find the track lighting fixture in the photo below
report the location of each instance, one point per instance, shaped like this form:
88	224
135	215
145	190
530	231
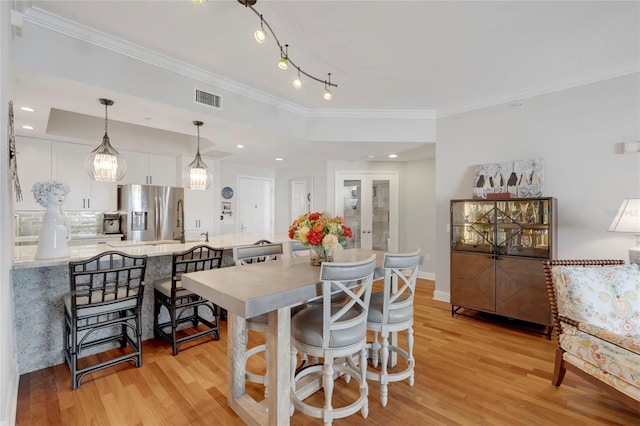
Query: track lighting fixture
327	93
284	62
260	35
297	83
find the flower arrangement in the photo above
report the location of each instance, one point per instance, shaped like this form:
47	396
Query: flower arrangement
321	231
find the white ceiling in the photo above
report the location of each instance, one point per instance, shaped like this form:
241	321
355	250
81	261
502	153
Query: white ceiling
444	56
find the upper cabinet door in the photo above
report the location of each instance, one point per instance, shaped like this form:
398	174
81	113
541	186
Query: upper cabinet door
149	169
34	165
162	170
137	168
85	194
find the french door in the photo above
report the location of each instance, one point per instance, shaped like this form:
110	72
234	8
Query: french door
369	204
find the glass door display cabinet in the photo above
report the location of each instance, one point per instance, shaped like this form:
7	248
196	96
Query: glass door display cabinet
497	249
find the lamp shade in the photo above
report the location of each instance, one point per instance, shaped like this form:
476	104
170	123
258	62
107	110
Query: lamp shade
628	220
105	164
628	217
197	175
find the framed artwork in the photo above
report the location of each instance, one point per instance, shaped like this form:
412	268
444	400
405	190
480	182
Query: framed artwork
510	179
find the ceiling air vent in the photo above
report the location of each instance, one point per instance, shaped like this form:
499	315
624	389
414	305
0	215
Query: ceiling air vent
208	99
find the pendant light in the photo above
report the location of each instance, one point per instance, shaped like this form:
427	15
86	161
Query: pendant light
105	164
197	175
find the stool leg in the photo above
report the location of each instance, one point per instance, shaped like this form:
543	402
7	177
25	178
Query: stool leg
384	376
375	347
411	360
364	389
327	384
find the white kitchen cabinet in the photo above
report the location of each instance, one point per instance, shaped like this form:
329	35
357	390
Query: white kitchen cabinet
34	165
86	194
199	207
149	169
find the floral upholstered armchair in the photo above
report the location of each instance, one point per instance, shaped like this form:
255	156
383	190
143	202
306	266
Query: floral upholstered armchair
596	308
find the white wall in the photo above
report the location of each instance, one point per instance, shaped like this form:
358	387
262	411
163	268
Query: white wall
578	134
418	214
8	364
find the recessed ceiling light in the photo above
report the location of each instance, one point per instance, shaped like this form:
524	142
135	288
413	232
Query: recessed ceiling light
393	155
279	159
26	108
240	146
26	127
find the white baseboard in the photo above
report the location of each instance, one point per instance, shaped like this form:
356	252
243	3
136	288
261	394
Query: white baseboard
442	296
427	275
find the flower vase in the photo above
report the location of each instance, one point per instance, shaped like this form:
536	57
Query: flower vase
319	254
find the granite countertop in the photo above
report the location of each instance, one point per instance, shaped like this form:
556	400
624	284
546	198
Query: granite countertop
24	256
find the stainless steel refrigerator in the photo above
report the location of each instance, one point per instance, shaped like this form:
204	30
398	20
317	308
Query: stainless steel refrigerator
151	213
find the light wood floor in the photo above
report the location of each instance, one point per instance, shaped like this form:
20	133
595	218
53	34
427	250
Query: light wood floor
467	372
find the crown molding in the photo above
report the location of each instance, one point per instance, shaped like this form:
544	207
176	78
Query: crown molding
372	113
518	95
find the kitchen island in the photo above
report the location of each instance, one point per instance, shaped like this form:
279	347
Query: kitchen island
39	287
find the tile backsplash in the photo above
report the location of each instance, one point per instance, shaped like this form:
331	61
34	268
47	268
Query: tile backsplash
28	223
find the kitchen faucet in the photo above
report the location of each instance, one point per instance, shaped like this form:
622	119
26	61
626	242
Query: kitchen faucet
206	236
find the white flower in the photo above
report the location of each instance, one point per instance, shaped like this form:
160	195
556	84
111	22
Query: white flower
329	241
302	234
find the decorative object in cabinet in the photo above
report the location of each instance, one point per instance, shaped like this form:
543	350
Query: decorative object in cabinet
496	251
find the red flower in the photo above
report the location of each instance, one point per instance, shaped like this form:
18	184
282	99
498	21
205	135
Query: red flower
314	216
291	234
346	231
315	236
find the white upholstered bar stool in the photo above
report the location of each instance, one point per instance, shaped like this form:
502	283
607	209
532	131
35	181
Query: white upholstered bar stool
245	255
391	311
331	331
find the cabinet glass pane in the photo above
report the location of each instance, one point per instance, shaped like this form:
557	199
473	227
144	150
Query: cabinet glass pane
507	227
473	226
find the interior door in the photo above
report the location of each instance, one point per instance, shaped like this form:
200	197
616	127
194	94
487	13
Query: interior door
369	204
255	205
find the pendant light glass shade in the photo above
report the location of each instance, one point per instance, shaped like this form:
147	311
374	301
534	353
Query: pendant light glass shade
197	175
105	164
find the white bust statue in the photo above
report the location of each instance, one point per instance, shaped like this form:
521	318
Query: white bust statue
53	237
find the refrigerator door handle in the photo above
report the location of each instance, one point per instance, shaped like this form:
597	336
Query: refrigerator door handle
157	230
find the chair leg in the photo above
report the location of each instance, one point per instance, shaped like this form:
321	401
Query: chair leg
174	329
294	356
559	369
156	316
384	375
327	384
410	360
375	348
138	321
364	387
266	375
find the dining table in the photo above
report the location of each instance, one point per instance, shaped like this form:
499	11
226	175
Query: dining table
273	288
